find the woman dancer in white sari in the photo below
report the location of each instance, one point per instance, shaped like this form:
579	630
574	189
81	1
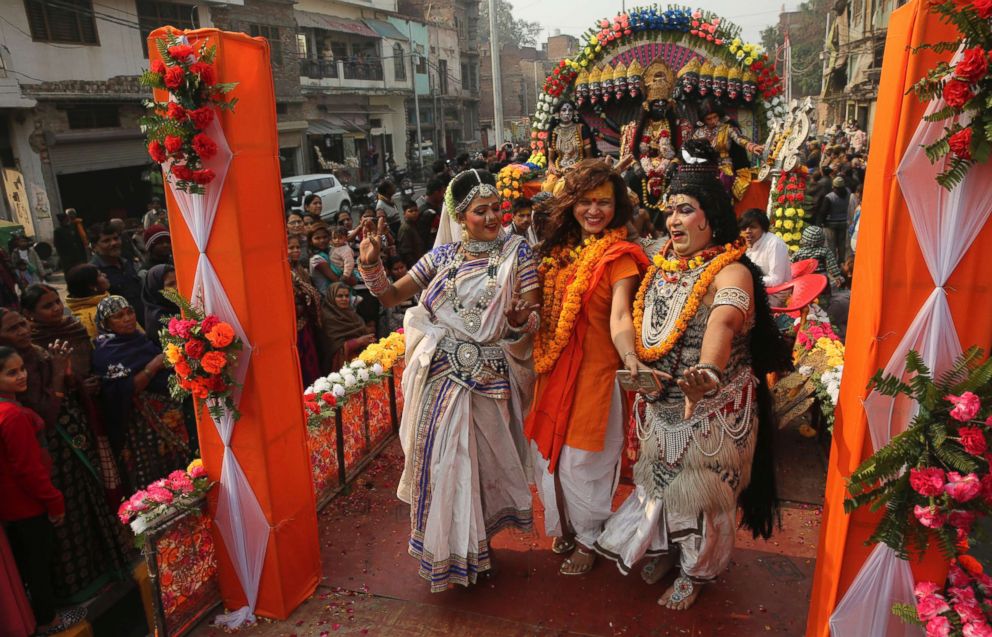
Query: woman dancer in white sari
466	383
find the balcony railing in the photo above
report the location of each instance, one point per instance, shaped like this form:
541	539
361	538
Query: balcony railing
318	69
369	70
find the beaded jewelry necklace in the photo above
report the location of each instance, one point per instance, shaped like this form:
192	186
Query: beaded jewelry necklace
472	317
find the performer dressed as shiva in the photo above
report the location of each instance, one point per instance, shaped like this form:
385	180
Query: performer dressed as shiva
467	382
703	325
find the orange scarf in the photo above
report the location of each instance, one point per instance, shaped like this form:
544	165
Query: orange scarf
547	423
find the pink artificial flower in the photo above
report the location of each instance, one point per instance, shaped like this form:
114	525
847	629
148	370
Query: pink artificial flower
160	495
929	516
970	612
957	577
966	406
931	606
973	440
925	589
962	594
939	627
198	471
124	512
181	482
977	629
963	520
928	481
137	501
180	327
962	488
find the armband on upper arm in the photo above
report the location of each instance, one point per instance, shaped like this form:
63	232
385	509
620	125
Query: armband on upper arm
734	297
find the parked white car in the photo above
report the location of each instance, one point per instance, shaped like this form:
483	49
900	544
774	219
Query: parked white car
331	192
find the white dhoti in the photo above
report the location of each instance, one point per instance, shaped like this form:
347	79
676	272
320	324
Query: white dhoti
588	481
642	527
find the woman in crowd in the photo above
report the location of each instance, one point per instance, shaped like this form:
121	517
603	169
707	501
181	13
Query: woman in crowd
43	308
87	286
322	273
89	547
466	383
297	229
158	309
704	326
31	509
308	315
343	331
589	273
146	427
313	205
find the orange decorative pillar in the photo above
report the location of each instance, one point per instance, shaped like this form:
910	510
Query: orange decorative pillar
921	273
230	252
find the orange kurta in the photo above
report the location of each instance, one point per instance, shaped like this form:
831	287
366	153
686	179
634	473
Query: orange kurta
571	404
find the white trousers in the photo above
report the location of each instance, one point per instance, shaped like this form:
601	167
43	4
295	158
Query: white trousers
588	480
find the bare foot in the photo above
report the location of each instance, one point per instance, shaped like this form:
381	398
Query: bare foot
579	562
681	594
658	568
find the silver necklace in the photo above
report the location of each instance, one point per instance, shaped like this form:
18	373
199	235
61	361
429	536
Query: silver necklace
472	317
479	247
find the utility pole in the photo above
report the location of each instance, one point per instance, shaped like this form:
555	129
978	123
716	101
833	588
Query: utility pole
416	98
787	53
497	78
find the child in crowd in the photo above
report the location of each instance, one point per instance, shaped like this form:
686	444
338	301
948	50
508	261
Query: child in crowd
31	506
392	317
341	257
409	242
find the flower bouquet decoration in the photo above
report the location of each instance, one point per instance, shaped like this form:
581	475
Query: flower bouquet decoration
510	183
960	608
176	129
819	356
165	498
966	88
789	216
203	351
329	392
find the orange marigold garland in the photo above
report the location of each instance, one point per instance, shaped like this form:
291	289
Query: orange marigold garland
566	276
730	253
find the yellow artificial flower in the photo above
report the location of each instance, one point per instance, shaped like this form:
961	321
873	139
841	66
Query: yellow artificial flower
778	223
790	212
173	354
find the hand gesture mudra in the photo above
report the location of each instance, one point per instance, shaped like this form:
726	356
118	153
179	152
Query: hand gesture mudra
370	249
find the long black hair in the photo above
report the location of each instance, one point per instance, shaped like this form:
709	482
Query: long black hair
769	351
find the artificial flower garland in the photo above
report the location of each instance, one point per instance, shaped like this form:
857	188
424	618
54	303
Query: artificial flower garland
566	276
728	254
176	129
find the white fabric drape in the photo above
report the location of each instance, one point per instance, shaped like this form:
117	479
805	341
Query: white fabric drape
239	517
946	223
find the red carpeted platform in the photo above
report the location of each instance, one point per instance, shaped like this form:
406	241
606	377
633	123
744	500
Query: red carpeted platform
766	590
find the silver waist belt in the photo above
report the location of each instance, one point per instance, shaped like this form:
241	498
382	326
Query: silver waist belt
468	357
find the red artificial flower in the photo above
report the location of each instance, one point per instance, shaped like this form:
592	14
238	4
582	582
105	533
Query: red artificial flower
207	73
202	117
973	440
957	93
173	144
195	349
182	172
175	111
156	152
157	66
204	146
973	66
983	8
329	398
204	176
960	143
208	324
180	52
216	383
174	77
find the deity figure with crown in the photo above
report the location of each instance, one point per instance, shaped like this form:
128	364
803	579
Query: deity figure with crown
649	141
571	142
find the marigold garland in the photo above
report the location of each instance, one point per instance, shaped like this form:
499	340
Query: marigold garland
566	277
731	252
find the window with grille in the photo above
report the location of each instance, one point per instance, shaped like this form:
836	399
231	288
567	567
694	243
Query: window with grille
153	14
70	21
275	42
399	63
93	116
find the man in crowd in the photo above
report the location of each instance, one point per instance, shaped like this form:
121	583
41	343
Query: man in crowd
832	215
521	221
105	241
156	215
71	249
158	246
410	245
430	209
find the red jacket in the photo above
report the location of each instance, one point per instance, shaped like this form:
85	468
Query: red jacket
26	488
